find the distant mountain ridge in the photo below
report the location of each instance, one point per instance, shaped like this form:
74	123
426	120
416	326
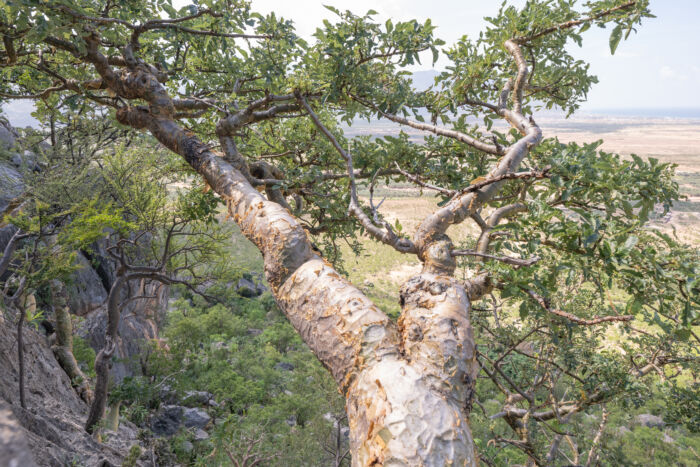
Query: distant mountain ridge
423	79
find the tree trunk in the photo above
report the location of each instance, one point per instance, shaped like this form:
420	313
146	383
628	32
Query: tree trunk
63	349
408	387
103	360
411	407
20	356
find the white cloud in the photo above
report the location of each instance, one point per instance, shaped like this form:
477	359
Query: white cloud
667	72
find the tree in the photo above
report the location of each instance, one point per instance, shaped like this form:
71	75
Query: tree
253	108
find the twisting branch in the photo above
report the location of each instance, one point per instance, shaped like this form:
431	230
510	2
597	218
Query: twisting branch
387	235
521	76
542	302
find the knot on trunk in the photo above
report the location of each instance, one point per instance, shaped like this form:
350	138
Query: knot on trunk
437	256
436	334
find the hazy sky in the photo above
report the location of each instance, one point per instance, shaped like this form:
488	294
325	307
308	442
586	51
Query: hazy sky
657	67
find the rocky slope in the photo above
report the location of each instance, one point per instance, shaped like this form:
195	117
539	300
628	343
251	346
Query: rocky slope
49	432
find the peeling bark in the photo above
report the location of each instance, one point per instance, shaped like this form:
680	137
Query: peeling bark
408	387
410	407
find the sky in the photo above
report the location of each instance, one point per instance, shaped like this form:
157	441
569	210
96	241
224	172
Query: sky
657	68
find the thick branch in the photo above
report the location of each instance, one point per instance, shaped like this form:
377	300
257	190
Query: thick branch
521	76
494	219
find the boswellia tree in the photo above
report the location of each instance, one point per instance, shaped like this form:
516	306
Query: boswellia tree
256	111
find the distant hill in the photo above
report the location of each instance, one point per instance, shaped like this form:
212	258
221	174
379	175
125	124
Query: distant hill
422	80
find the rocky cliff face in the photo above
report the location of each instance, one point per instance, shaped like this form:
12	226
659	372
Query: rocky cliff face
51	428
50	431
139	323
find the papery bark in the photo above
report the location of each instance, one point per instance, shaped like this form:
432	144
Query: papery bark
406	399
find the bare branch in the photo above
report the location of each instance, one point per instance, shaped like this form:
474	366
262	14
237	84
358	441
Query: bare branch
592	456
415	179
459	136
10	249
573	318
503	259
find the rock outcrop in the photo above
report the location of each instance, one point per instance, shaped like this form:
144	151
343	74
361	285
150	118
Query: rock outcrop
51	428
139	322
49	432
14	448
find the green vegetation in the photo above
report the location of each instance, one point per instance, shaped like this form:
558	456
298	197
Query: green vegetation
536	300
234	350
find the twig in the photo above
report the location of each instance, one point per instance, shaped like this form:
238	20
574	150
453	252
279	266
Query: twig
592	457
415	179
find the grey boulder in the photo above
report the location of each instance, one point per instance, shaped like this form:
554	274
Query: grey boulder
649	420
196	418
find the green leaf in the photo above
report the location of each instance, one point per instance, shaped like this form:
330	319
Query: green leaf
615	38
333	9
629	244
523	310
682	334
634	305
